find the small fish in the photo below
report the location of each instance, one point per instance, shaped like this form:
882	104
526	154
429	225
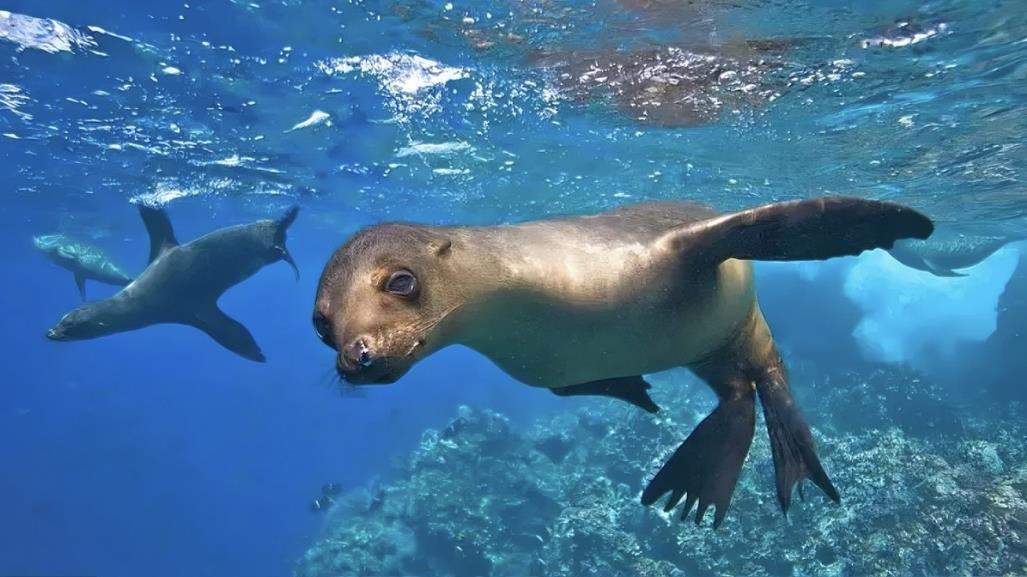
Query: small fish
331	489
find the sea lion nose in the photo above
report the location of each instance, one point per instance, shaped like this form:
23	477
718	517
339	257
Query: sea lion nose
358	355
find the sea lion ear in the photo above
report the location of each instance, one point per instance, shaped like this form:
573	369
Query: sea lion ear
441	246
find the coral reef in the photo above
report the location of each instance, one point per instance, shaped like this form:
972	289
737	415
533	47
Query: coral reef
925	490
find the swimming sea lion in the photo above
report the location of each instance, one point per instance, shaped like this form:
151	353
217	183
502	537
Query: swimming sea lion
84	261
183	283
949	250
591	303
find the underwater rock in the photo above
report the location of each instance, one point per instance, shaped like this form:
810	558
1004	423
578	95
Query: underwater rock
483	498
883	395
999	361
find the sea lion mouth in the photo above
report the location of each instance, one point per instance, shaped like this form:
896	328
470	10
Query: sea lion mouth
375	370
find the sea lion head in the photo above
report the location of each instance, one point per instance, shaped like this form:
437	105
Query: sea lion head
380	299
48	243
79	324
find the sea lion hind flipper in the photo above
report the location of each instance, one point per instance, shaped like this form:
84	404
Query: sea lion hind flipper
228	332
634	390
791	443
158	226
814	229
705	468
80	282
281	226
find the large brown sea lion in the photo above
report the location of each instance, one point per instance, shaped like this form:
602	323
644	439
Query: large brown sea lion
587	305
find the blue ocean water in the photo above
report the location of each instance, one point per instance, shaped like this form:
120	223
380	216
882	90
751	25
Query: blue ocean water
157	452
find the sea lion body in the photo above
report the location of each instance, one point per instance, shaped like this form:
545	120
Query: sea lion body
577	276
84	261
950	250
587	305
216	262
182	283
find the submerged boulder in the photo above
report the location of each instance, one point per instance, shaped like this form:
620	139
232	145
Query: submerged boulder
999	362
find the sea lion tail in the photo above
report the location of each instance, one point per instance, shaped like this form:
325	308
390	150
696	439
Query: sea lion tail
281	226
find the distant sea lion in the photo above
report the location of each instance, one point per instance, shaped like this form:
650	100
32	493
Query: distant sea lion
84	261
183	283
949	250
588	305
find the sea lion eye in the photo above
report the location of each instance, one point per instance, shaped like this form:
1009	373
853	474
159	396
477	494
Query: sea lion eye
402	283
323	330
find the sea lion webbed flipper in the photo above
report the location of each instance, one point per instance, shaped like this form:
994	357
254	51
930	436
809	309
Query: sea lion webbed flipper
158	226
631	389
814	229
228	332
705	468
791	443
80	282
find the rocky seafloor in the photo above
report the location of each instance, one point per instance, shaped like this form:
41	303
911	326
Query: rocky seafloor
927	489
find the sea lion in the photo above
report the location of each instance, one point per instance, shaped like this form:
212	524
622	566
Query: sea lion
949	250
592	303
183	283
84	261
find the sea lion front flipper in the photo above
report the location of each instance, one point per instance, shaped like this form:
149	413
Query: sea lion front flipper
814	229
791	443
631	389
228	332
80	282
943	271
705	468
158	226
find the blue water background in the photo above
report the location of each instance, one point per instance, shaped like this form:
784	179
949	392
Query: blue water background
156	452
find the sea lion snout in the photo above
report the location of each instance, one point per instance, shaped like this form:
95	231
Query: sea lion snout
355	356
358	364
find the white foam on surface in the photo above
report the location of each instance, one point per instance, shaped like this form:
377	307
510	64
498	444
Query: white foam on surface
44	34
